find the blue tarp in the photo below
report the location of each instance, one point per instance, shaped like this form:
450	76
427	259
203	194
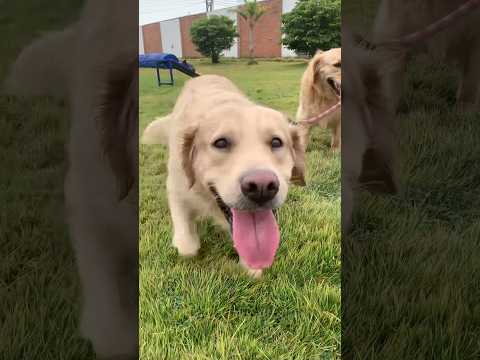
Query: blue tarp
155	60
166	61
162	61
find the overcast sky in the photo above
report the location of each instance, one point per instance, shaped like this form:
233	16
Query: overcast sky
158	10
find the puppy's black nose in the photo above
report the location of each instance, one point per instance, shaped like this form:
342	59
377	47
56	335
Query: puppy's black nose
259	186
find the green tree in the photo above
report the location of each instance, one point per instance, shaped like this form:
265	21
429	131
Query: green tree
212	35
251	13
312	25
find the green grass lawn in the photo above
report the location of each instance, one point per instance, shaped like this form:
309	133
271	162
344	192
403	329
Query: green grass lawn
207	308
410	268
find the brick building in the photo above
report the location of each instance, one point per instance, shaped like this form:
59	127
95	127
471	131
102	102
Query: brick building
173	36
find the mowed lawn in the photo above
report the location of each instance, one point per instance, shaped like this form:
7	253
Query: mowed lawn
410	268
206	307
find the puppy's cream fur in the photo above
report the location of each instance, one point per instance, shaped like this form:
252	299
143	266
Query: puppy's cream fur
92	64
317	95
210	107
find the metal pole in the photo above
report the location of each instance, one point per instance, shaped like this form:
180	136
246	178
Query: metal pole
209	6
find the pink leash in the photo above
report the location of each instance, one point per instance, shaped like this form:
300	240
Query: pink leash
435	27
317	118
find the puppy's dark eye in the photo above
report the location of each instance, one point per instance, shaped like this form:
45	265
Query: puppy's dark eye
221	143
338	64
276	143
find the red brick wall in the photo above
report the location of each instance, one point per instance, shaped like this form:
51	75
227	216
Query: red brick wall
188	48
267	32
152	39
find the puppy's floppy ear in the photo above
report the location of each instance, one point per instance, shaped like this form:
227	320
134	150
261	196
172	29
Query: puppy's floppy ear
298	171
188	154
117	116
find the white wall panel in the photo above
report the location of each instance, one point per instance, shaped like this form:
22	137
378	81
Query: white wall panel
141	47
231	14
287	6
171	37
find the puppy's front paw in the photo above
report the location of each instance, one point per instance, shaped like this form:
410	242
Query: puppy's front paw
187	248
254	273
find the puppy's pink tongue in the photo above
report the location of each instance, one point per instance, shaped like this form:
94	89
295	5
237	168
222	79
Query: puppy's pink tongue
256	237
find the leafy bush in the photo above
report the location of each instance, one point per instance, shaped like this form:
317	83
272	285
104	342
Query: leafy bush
212	35
312	25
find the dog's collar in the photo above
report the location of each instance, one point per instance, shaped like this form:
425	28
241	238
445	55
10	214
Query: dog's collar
221	205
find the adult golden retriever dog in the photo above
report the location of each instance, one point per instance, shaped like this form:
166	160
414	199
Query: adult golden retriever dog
373	74
458	42
230	159
369	136
320	90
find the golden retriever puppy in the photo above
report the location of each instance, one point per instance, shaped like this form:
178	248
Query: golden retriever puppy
94	65
320	90
229	159
459	42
